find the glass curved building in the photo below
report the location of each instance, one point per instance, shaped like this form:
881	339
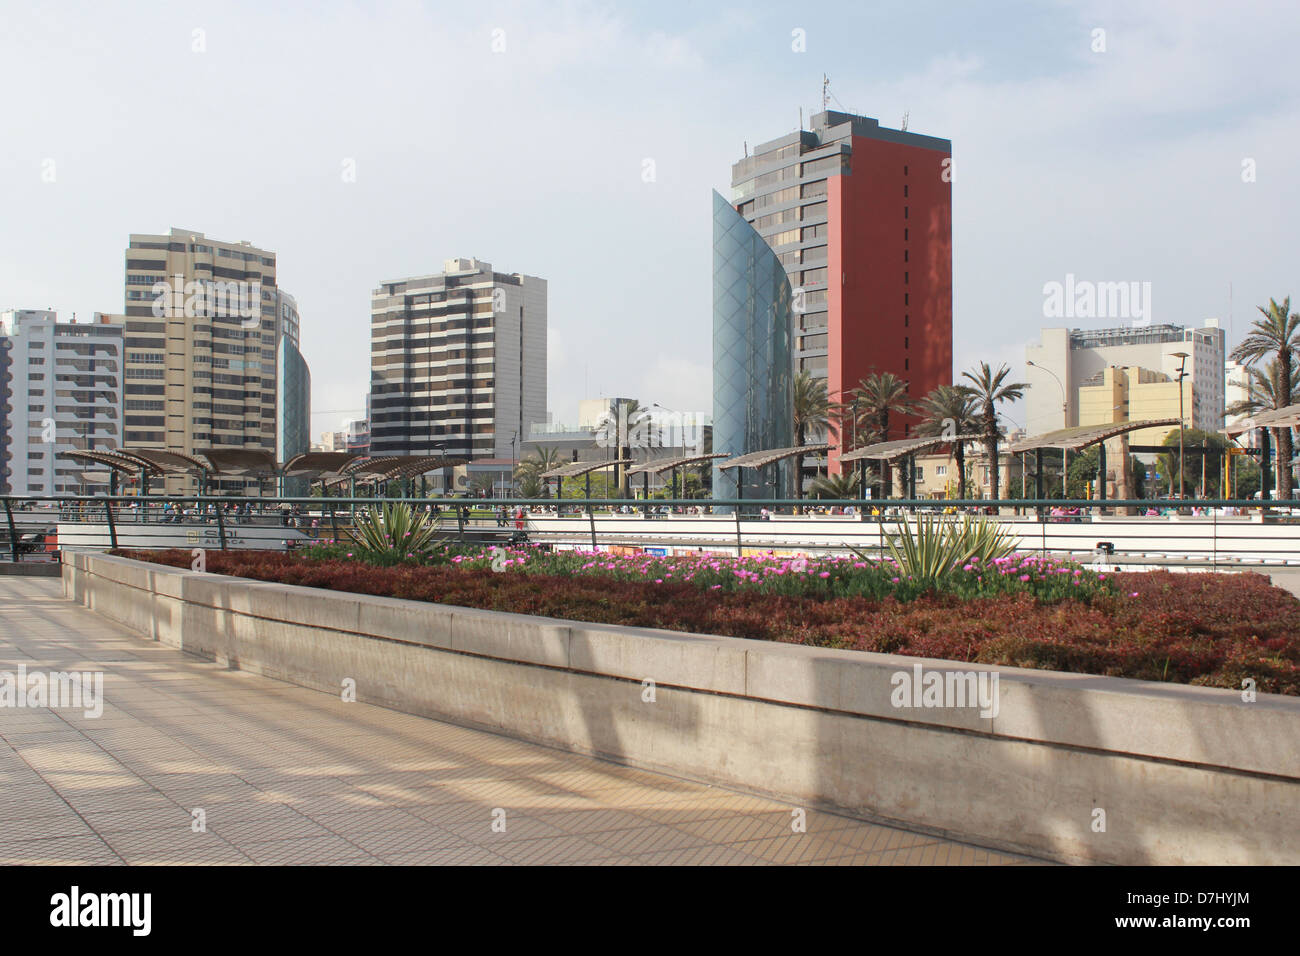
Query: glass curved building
752	362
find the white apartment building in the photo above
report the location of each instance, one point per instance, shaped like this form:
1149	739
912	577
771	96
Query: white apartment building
60	390
458	362
1065	360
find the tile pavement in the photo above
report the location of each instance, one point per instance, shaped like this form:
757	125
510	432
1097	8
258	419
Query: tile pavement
286	775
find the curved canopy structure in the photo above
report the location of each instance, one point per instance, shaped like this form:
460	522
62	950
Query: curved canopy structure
664	464
1288	417
1083	436
312	464
115	460
398	466
902	447
171	462
759	459
241	461
576	469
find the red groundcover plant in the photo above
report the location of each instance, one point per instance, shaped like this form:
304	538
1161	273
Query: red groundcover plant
1209	629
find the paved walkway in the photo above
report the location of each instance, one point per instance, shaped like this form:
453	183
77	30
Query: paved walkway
283	774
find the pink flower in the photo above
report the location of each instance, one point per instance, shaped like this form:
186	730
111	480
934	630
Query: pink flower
1024	577
894	580
824	574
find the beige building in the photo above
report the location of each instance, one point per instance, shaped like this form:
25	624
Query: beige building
1117	395
1065	362
204	322
937	477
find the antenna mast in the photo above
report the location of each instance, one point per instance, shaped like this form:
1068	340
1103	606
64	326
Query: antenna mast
826	89
906	114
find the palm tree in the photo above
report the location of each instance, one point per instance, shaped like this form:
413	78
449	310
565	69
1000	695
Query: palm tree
1275	335
990	389
1264	394
531	469
877	397
950	410
839	487
812	410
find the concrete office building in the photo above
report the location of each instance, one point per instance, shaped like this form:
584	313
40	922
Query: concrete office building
1067	363
205	319
458	362
861	220
61	390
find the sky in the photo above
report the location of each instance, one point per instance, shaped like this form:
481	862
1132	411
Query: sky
1160	149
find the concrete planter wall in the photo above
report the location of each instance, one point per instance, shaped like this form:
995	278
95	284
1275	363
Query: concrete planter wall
1184	775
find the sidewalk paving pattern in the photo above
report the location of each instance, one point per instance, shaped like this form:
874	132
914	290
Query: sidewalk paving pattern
285	775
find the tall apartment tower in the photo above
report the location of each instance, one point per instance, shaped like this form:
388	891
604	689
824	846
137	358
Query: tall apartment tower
861	218
458	362
205	322
60	390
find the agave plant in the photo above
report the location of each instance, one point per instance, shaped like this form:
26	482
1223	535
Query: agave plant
936	548
393	533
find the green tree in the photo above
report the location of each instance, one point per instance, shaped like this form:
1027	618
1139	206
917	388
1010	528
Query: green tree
811	413
878	397
528	473
991	389
950	410
1083	469
1193	438
1275	335
839	487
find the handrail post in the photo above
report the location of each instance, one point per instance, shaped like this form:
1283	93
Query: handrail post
591	517
13	531
221	527
112	528
460	523
739	550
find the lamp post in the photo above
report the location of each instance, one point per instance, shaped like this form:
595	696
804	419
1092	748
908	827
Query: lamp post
1182	374
1065	421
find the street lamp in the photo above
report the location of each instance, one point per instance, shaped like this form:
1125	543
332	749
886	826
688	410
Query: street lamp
1182	374
1065	422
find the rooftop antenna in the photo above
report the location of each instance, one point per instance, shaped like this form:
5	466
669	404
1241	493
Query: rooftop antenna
746	149
906	114
826	89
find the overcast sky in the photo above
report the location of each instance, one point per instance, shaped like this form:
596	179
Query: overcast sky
1122	165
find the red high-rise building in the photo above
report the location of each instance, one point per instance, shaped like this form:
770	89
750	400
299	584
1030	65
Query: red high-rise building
861	218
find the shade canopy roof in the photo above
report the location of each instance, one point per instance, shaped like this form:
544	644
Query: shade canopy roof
576	469
1288	417
315	463
240	461
1082	436
398	466
902	447
116	460
172	462
758	459
663	464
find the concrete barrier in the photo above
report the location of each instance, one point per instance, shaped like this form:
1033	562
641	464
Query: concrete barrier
1067	766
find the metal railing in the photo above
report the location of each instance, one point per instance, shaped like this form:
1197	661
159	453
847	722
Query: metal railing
1191	533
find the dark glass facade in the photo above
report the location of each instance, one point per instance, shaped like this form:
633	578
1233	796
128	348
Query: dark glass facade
752	385
293	421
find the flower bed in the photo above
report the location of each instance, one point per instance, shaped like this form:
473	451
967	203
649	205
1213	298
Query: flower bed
1211	629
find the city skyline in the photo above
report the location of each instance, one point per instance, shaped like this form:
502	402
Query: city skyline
1109	163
